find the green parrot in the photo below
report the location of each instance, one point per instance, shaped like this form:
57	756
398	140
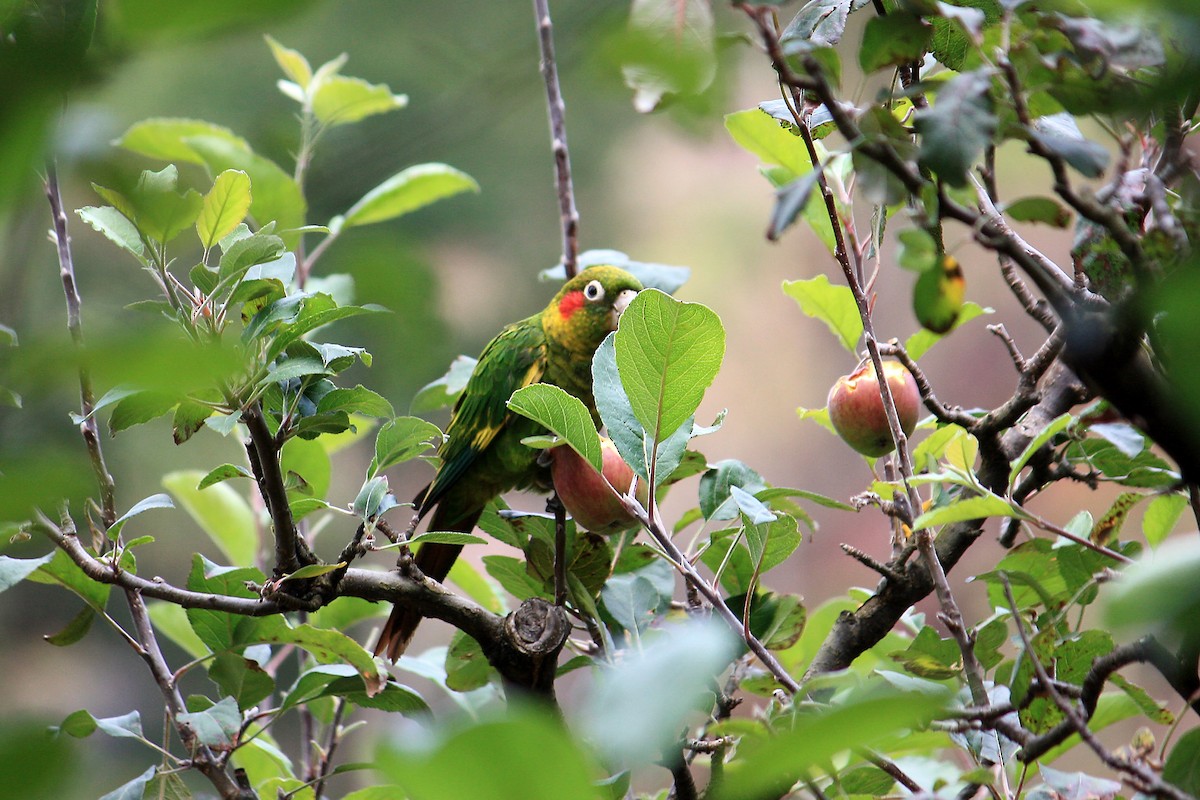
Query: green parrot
482	456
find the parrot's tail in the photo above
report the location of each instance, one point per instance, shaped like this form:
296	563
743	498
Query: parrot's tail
434	560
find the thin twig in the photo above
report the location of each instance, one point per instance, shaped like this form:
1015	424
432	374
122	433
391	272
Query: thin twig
87	397
331	745
555	506
710	593
558	140
952	617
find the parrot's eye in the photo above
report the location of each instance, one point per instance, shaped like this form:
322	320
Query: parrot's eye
593	292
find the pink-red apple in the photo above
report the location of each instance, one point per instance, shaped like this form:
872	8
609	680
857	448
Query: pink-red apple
856	410
591	498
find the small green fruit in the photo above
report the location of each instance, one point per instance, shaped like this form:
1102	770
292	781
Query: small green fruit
856	410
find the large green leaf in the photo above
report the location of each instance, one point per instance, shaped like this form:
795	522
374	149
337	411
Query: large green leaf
15	570
225	206
767	766
115	226
339	100
406	191
491	760
957	127
562	414
623	426
220	512
668	352
833	305
276	195
764	136
631	717
166	138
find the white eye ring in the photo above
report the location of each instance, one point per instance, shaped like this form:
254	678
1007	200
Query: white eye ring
593	292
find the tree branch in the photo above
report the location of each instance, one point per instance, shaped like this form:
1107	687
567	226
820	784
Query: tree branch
87	397
556	109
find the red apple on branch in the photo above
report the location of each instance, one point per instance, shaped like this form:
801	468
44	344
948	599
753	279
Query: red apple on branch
856	409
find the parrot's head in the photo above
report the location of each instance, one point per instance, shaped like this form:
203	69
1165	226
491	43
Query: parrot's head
587	307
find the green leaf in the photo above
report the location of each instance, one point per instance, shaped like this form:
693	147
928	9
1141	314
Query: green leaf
489	760
1039	209
868	717
955	130
446	537
283	371
668	49
74	630
833	305
241	254
220	512
445	390
1157	593
510	573
760	134
217	725
1183	763
630	718
978	507
62	571
791	199
562	414
716	484
918	250
819	23
633	601
165	138
188	419
240	678
317	310
408	190
223	473
115	226
373	499
339	100
894	39
624	429
153	501
162	212
82	724
134	789
668	352
466	667
225	206
1089	158
293	64
138	408
171	621
306	463
1161	516
402	439
1051	430
276	195
359	400
15	570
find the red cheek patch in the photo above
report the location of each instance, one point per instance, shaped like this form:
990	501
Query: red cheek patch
570	304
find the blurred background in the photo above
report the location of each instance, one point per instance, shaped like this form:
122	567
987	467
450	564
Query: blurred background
668	187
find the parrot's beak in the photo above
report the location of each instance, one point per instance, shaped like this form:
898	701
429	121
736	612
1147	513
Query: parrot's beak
619	305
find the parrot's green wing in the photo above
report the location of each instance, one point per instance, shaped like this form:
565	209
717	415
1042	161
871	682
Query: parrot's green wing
515	358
